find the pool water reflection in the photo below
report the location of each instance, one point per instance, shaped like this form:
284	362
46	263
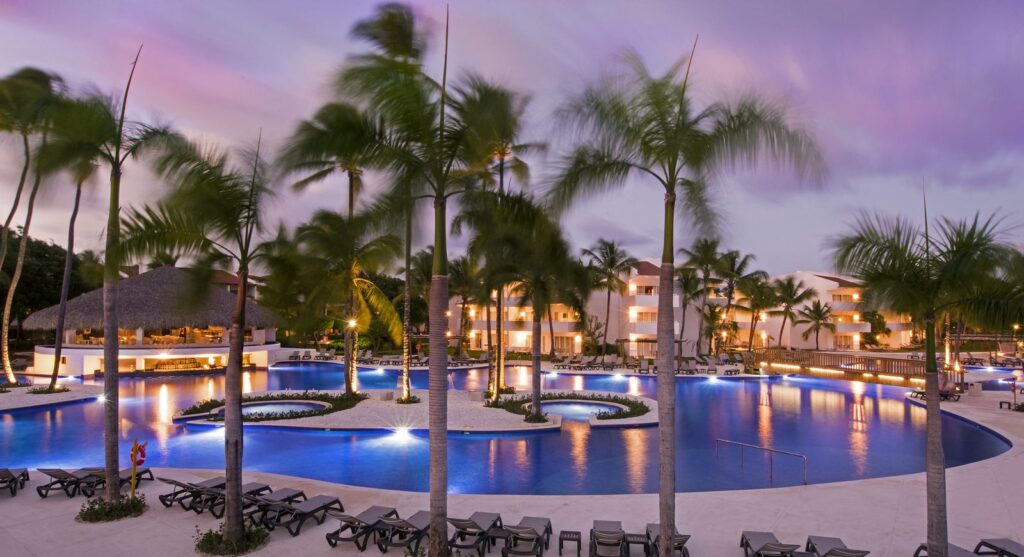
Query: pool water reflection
847	430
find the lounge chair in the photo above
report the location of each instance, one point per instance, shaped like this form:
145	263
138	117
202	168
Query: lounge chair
359	527
293	515
999	546
566	364
213	499
954	551
13	479
608	544
705	366
765	544
468	535
294	355
72	483
678	540
645	366
403	532
306	355
256	507
184	492
632	362
523	541
729	367
824	546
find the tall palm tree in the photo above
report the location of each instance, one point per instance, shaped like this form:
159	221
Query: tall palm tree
758	296
214	214
789	294
689	285
465	279
609	263
102	133
904	268
426	158
342	251
81	171
818	318
705	257
24	97
647	125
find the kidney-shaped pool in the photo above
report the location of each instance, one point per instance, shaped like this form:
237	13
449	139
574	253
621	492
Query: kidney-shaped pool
847	431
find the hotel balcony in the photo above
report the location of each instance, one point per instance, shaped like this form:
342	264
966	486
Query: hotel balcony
858	327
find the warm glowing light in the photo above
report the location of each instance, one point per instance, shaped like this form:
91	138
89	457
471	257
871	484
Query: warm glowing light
447	333
472	334
632	289
522	315
856	296
826	371
448	313
890	377
632	337
725	335
1016	326
856	337
764	335
579	339
101	399
763	316
856	317
472	313
351	323
786	366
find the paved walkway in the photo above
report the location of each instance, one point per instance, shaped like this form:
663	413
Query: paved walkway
885	515
19	397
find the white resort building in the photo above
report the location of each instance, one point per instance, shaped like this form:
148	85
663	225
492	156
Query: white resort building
633	316
160	330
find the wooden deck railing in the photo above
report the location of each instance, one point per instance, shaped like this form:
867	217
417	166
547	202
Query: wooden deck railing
807	361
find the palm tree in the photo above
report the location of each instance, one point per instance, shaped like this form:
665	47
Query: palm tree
902	267
609	262
342	251
789	294
690	287
214	214
818	317
733	267
24	96
40	94
758	295
647	125
103	134
465	280
81	171
426	158
705	258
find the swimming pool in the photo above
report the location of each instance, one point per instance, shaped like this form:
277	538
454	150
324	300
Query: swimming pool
847	430
577	410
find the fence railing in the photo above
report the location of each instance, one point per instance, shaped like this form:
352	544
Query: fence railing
771	456
811	361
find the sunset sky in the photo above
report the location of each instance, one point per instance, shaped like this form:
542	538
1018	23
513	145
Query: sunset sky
901	95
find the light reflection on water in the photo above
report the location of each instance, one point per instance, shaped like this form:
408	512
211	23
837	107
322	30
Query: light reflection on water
848	431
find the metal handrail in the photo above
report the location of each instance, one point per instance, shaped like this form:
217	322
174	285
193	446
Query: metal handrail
771	456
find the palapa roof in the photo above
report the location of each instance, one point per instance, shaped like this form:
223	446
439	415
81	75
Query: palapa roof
157	299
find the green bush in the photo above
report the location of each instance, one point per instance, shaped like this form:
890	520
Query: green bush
211	542
336	402
518	405
100	510
46	390
410	400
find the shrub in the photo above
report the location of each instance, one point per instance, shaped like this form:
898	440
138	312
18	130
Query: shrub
336	402
100	510
410	400
47	390
211	542
518	405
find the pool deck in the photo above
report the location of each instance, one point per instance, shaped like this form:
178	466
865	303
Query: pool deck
883	515
464	415
20	397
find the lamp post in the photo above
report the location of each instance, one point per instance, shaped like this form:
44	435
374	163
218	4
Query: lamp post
1013	338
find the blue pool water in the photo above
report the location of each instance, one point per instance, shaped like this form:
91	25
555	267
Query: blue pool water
575	410
847	430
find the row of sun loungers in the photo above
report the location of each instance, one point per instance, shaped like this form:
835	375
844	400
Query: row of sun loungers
323	355
72	482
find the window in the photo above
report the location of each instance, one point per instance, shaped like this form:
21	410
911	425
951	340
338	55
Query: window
646	316
647	290
843	298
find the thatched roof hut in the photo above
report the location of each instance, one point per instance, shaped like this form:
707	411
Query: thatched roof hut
162	298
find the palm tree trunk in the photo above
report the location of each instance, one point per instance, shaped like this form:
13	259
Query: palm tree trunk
666	387
816	333
682	325
437	411
17	199
935	460
65	288
782	328
19	265
607	317
551	330
111	270
463	316
350	358
233	524
490	347
753	325
407	311
499	370
535	350
700	315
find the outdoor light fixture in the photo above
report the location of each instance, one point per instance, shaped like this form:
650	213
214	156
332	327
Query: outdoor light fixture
856	296
579	338
351	323
856	317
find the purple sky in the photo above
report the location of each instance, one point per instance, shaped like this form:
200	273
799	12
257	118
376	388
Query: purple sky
900	94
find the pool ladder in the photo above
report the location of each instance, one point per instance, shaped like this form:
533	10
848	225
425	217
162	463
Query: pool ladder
771	456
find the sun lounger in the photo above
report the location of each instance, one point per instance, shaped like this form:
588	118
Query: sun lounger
954	551
213	499
359	527
999	546
523	541
468	536
293	515
306	355
294	355
824	546
184	492
678	540
607	542
645	366
13	479
72	483
403	532
765	544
